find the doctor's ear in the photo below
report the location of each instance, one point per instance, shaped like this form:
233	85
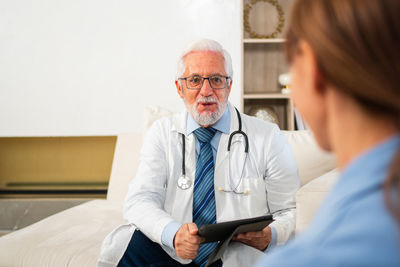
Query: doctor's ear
230	85
179	88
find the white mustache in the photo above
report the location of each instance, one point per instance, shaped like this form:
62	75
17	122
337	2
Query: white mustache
206	100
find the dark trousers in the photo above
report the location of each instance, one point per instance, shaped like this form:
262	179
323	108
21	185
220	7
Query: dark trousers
142	252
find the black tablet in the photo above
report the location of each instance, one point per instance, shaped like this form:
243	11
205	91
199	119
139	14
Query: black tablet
222	231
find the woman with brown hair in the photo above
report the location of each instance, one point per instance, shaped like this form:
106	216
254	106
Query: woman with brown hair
345	67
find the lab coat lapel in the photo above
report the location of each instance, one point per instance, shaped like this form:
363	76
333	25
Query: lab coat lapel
190	154
190	151
222	153
184	198
237	154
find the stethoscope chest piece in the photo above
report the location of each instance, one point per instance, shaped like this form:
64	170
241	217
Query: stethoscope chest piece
184	183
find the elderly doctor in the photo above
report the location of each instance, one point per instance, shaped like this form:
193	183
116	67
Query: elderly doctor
187	177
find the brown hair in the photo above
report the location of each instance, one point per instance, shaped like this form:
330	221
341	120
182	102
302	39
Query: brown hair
357	48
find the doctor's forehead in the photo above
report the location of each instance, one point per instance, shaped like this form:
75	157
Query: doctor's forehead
204	63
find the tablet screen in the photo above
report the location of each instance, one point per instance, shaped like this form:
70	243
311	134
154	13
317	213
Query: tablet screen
222	231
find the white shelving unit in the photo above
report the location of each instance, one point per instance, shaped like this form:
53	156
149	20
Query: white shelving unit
263	41
266	96
263	62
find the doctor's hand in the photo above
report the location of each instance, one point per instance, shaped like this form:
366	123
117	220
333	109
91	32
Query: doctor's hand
259	240
187	241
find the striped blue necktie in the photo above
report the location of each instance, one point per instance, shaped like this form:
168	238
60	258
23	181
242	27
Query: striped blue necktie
203	191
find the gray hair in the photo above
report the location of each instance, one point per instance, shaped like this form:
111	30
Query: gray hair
204	45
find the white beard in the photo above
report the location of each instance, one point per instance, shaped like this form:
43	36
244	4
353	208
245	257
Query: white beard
207	118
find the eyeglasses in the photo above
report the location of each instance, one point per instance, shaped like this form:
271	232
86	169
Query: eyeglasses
195	82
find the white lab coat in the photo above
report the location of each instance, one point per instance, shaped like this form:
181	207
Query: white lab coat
154	200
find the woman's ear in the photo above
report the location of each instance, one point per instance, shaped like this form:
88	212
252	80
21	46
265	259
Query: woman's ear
317	80
309	91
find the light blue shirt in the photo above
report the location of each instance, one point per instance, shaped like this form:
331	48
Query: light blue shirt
222	126
353	226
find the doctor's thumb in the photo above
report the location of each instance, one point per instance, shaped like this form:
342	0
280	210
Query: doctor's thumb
192	228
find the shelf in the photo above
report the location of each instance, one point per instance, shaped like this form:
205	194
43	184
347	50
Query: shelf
279	107
267	96
263	62
263	41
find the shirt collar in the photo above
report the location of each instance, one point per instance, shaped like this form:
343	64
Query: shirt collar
222	125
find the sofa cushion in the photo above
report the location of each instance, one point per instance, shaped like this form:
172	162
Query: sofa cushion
153	113
311	160
70	238
310	197
127	154
124	166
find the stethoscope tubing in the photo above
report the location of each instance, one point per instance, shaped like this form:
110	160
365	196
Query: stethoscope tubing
183	156
239	131
246	150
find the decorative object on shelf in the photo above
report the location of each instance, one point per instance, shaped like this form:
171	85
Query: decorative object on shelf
299	121
264	113
246	15
284	80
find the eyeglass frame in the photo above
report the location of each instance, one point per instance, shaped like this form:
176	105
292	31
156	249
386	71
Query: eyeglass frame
206	78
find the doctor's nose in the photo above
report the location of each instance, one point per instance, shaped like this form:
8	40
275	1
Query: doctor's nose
206	89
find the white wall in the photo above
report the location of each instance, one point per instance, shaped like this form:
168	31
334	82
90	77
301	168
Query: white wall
90	67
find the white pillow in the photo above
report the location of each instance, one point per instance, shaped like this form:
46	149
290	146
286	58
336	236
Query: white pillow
153	113
309	198
311	160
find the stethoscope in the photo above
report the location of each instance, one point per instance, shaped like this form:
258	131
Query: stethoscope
185	182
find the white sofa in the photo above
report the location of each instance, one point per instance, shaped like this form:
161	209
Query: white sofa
73	237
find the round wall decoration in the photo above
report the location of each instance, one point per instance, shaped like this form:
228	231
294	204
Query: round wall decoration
246	24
